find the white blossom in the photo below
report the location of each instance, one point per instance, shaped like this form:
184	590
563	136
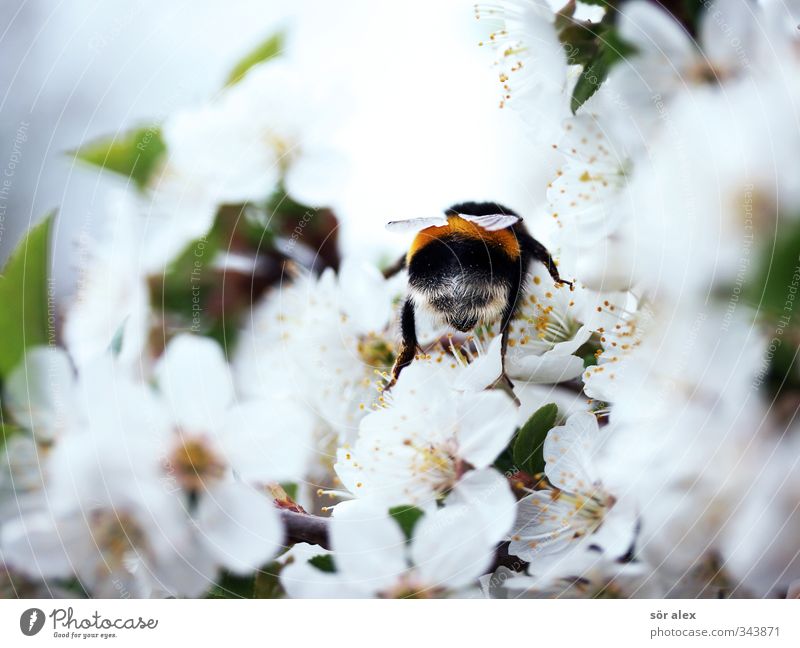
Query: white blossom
155	491
222	452
704	209
587	574
274	126
686	410
426	440
531	62
584	199
551	323
326	342
446	554
737	41
577	511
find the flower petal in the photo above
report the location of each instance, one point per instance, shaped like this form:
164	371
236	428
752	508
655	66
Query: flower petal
363	296
450	548
652	30
300	579
726	33
488	495
569	453
486	424
196	381
543	526
35	546
369	548
544	369
39	391
240	526
316	177
484	370
268	440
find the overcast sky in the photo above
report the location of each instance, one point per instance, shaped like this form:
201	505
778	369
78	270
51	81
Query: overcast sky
73	70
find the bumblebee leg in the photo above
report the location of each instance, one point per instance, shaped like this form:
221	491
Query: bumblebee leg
505	325
408	347
503	346
396	267
540	253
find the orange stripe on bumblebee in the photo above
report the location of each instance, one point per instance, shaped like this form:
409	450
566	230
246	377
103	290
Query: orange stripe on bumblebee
505	239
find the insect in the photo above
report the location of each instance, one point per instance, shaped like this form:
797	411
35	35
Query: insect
465	267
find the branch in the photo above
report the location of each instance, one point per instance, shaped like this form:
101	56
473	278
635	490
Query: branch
303	527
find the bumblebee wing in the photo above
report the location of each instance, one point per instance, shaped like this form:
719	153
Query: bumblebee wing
416	224
492	222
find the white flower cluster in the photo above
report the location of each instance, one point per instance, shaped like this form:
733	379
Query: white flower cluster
144	462
675	177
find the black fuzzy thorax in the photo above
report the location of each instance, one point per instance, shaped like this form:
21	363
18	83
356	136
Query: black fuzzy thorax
463	279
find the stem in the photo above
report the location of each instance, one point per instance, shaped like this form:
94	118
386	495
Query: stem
303	527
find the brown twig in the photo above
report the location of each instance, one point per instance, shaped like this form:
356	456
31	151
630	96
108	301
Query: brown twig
303	527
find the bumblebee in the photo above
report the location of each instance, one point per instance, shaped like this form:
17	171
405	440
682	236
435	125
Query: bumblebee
466	267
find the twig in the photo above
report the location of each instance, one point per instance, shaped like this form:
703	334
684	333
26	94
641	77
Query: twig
303	527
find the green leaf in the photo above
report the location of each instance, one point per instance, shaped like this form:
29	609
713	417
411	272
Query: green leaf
529	443
589	350
24	309
188	288
407	517
689	12
7	430
291	490
776	286
324	563
270	48
231	586
773	287
267	584
115	346
610	49
505	462
136	154
580	43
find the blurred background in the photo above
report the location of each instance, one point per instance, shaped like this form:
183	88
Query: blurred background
73	71
426	128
